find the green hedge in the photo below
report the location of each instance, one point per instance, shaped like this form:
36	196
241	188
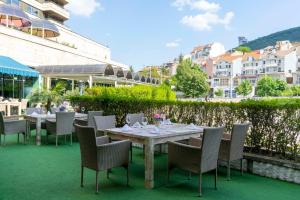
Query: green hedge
162	92
275	123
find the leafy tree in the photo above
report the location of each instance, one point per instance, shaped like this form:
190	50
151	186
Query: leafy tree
267	86
245	88
296	90
219	92
131	68
191	80
243	49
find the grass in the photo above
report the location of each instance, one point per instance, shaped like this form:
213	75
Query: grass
47	172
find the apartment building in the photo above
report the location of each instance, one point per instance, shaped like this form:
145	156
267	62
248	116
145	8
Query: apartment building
279	61
204	54
225	70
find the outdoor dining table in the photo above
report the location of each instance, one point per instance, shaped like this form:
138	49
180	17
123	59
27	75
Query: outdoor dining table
6	107
39	118
149	137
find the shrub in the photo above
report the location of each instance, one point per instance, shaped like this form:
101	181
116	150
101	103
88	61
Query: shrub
162	92
275	123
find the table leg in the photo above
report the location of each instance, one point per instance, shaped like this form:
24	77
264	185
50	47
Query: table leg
8	110
38	131
20	109
149	164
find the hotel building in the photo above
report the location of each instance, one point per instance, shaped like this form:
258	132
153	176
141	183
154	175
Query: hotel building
46	44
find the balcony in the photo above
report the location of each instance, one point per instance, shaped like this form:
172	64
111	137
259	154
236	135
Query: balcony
56	11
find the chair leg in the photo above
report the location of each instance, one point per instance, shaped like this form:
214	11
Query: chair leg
18	138
131	149
81	183
97	182
107	174
4	140
241	165
71	139
228	171
189	175
216	178
168	174
56	140
200	184
127	175
65	139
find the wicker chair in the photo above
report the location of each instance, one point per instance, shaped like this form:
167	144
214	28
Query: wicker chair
104	122
12	127
107	122
135	117
232	146
196	159
62	125
99	155
90	120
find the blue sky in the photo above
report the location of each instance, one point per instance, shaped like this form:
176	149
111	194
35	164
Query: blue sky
151	32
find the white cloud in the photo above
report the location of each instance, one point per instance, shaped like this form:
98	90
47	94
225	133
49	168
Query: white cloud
202	22
201	5
208	16
84	7
172	44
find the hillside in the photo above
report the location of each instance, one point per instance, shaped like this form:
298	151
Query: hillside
292	35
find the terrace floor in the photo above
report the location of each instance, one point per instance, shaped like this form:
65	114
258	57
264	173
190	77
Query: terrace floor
47	172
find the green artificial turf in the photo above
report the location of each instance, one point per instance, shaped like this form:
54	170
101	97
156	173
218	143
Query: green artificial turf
47	172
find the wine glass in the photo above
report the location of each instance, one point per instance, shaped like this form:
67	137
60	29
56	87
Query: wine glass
82	109
144	121
128	120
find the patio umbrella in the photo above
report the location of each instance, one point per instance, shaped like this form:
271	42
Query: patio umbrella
13	16
42	28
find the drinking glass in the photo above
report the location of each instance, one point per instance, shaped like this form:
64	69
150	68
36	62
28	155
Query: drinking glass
144	121
128	120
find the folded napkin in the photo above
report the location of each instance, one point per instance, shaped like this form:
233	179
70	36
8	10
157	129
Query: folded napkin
155	131
192	126
126	128
168	122
34	114
137	125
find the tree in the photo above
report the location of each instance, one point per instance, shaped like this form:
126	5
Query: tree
267	86
47	97
190	79
243	49
219	92
245	88
131	68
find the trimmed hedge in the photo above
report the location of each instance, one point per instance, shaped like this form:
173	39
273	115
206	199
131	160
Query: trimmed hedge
275	123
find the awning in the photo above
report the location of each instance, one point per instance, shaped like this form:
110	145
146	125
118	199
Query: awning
42	28
73	69
10	66
11	15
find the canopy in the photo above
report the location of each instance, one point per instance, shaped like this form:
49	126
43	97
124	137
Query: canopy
10	66
42	28
11	15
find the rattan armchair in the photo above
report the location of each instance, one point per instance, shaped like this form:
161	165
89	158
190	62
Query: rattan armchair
135	117
9	127
98	154
90	121
62	125
104	122
197	159
232	146
107	122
